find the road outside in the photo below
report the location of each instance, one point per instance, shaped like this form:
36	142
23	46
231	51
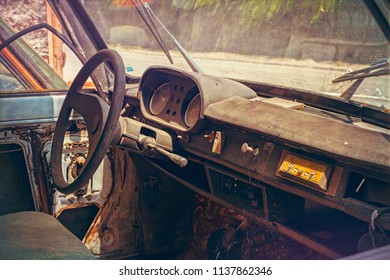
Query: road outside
306	74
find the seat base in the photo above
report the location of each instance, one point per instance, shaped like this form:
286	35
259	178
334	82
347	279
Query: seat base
35	235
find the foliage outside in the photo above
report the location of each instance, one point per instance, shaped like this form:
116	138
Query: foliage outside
256	11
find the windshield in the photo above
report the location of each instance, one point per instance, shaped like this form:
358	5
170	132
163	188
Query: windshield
299	44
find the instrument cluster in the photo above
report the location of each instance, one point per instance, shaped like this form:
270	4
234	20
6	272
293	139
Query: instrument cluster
171	99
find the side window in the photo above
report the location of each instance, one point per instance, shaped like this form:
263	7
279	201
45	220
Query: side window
50	57
7	81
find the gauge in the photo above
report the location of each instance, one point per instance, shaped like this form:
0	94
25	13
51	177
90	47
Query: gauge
160	99
191	115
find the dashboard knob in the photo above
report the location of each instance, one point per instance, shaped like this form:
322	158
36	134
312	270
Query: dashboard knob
245	148
210	137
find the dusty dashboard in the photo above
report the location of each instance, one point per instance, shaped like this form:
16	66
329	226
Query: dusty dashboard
255	153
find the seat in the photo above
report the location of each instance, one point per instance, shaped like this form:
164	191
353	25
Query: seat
38	236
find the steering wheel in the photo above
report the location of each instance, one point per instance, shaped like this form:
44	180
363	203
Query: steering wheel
102	120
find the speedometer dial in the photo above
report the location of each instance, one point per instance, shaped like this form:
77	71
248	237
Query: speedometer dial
191	115
160	99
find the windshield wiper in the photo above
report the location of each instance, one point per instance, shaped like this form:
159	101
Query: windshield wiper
147	18
147	13
377	69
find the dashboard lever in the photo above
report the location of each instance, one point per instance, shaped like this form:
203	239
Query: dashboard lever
149	142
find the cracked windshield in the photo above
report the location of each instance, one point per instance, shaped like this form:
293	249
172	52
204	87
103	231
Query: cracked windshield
310	45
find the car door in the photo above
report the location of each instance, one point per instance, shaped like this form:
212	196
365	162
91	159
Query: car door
31	96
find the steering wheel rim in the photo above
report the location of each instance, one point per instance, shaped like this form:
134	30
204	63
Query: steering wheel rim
101	120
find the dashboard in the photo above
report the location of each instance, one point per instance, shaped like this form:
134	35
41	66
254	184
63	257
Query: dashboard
264	156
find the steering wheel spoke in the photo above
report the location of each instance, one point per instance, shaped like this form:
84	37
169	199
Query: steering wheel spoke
93	109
